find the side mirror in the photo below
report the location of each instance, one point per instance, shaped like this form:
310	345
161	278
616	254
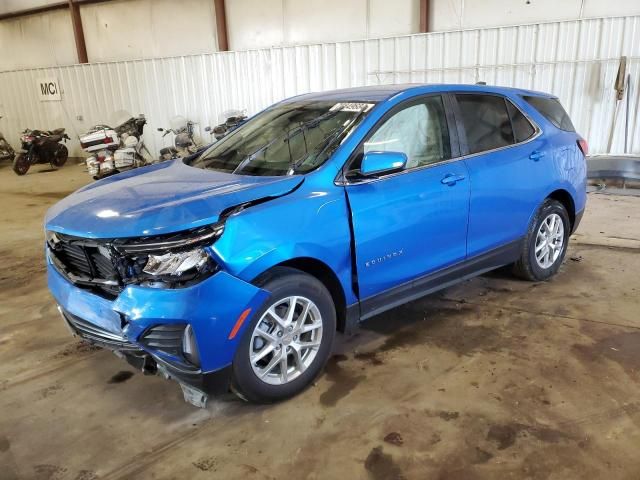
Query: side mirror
207	129
160	129
378	163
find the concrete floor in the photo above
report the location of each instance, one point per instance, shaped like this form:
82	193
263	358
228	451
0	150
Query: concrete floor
495	378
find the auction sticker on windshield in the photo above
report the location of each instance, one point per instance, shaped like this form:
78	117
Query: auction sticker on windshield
352	107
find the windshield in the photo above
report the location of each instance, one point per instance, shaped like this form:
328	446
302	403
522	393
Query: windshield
288	138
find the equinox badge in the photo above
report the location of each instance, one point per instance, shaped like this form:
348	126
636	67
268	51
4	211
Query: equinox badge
388	256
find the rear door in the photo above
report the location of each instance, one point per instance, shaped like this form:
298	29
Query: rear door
413	222
507	160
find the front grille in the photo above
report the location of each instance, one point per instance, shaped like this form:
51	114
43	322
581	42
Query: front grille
85	263
75	259
97	335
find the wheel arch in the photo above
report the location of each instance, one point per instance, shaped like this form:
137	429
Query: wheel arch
323	273
565	198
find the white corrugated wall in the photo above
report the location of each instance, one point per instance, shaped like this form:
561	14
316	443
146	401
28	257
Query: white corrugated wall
576	60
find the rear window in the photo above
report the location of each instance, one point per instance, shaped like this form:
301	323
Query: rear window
552	110
486	122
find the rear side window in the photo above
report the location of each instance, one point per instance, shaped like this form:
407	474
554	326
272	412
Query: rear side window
552	110
522	128
486	122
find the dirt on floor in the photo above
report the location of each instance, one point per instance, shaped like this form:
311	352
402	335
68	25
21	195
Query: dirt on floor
494	378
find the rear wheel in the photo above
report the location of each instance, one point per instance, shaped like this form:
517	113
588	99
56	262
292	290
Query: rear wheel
21	164
60	157
289	339
546	243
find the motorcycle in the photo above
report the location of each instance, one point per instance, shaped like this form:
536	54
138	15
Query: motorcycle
41	146
6	150
232	119
115	149
184	143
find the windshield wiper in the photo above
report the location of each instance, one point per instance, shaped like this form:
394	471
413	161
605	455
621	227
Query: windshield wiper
329	139
302	128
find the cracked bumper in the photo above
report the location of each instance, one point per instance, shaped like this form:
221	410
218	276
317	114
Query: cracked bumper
211	307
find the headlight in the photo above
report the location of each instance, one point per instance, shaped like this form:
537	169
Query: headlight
167	261
176	263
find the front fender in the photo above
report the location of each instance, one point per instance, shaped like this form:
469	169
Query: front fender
308	223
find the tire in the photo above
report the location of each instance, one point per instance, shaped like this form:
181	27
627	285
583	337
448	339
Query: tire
529	266
283	284
60	157
6	151
21	164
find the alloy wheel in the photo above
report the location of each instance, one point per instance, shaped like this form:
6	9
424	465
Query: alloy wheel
286	340
549	240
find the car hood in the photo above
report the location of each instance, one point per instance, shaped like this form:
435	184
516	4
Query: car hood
163	198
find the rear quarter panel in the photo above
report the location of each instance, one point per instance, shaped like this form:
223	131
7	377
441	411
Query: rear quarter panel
566	163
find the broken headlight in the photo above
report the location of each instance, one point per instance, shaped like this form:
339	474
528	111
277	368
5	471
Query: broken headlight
175	263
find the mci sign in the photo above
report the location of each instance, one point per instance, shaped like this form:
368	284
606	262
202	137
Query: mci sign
48	89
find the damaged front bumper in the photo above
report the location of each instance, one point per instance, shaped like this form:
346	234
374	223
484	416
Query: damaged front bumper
126	324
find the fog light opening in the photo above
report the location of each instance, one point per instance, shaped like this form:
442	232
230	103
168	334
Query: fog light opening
190	347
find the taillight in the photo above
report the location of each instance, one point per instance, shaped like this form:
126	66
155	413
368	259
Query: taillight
106	140
584	146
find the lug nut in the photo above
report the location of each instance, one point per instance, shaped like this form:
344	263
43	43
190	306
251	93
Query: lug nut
280	333
290	328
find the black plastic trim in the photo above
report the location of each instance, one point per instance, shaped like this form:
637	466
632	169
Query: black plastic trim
576	221
217	382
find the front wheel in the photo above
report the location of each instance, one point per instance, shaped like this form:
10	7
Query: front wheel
546	243
289	339
21	164
60	156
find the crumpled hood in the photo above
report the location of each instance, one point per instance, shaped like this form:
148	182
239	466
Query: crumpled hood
163	198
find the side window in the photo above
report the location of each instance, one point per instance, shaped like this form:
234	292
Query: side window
552	110
419	131
486	122
522	128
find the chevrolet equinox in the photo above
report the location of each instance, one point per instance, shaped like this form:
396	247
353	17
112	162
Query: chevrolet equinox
233	269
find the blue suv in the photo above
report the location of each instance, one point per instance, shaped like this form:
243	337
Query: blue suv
234	268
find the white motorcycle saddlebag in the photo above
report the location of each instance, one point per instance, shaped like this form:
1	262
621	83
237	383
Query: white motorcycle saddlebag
99	165
99	139
93	166
125	157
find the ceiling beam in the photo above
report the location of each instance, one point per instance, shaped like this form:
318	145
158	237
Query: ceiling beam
221	25
78	32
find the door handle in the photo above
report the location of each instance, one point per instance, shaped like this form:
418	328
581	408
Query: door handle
536	155
451	179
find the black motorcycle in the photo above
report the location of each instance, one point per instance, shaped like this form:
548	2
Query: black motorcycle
41	146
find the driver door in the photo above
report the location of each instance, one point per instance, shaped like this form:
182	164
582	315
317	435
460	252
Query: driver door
410	223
